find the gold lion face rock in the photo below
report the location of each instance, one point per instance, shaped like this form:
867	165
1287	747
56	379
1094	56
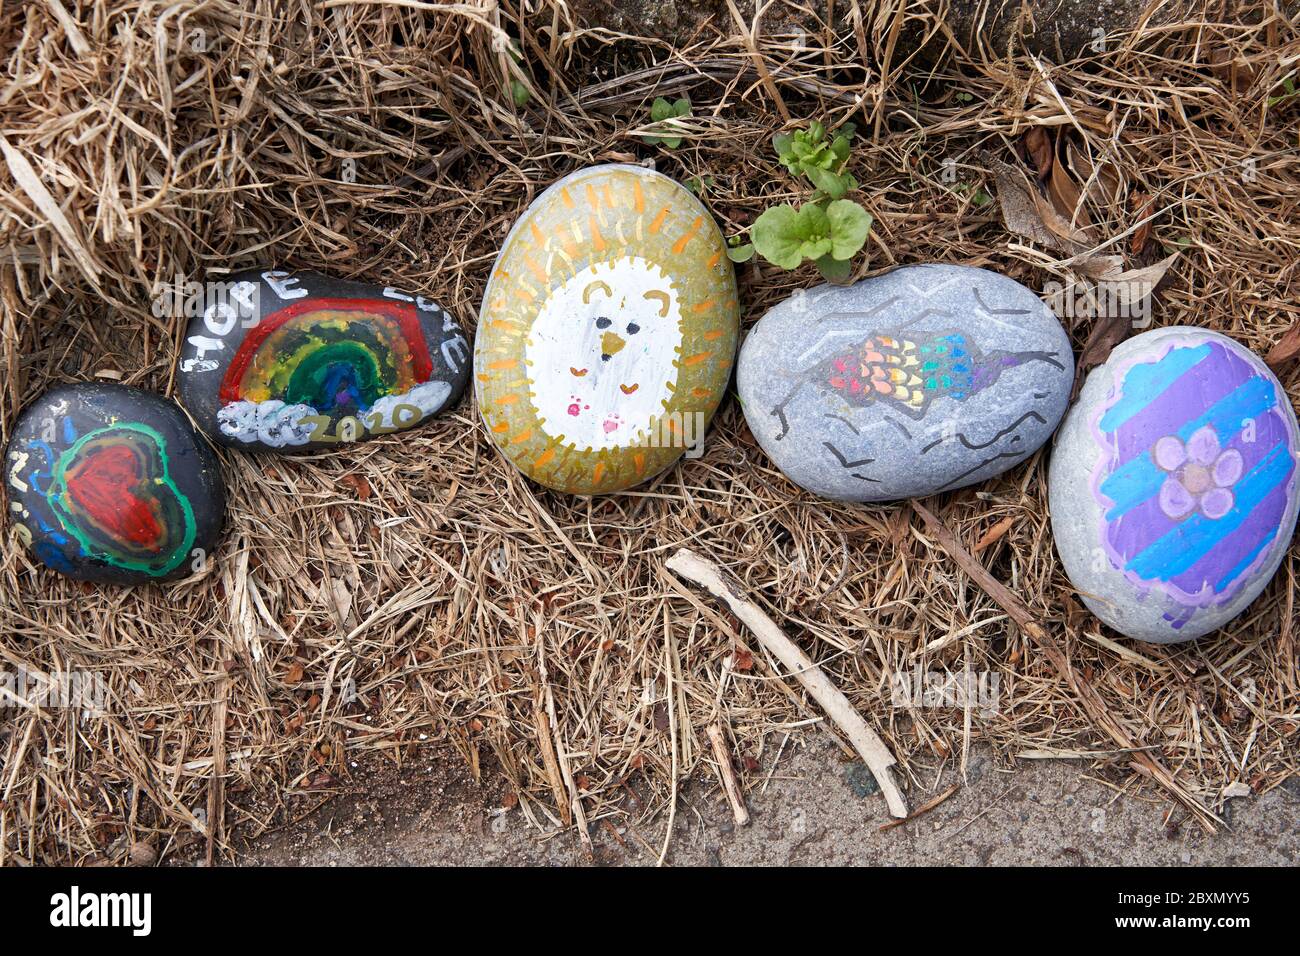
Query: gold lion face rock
608	331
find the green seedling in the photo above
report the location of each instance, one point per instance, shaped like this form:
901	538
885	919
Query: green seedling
829	235
661	111
810	153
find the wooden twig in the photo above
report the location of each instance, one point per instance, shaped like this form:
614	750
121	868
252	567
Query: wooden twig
727	773
1089	699
546	744
216	787
925	808
868	744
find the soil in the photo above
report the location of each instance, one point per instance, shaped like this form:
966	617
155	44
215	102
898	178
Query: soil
813	810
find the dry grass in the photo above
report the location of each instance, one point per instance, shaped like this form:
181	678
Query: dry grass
456	597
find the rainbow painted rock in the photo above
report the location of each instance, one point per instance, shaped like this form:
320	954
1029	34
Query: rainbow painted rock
1173	484
287	362
608	331
108	483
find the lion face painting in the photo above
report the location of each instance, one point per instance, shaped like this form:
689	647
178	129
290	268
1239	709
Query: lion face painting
607	332
604	361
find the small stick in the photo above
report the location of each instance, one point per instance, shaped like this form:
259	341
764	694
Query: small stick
868	744
922	809
730	785
550	761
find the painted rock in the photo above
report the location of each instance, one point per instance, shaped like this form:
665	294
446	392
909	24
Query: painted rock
921	380
108	483
1173	484
286	362
608	331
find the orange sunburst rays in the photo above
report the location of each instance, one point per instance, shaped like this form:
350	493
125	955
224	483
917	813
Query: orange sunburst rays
591	223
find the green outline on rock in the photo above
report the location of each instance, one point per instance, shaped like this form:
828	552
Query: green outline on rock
59	488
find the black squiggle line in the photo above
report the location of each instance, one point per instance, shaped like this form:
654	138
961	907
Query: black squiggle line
980	299
899	426
971	471
840	418
839	456
976	447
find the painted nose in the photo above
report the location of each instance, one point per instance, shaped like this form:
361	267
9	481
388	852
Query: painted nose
611	344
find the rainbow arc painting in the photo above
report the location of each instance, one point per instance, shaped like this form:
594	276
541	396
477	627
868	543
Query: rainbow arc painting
309	361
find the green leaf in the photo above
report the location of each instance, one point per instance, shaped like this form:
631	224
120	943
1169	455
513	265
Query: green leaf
849	226
835	270
816	248
781	142
776	236
812	223
519	93
682	107
741	253
672	142
660	109
829	183
840	147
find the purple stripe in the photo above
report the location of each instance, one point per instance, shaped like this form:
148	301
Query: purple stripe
1217	376
1145	523
1231	550
1132	532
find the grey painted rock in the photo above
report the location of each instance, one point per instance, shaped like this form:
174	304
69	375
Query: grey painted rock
285	362
922	380
111	484
1173	484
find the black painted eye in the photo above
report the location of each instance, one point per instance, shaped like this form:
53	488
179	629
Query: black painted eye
604	358
602	323
633	328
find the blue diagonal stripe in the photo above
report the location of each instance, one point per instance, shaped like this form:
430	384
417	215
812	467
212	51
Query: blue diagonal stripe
1175	552
1144	382
1139	478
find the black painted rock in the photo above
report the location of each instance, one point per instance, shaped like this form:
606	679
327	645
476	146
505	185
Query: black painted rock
112	484
295	361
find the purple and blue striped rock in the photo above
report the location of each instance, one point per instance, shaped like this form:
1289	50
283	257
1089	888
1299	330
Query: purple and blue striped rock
1174	484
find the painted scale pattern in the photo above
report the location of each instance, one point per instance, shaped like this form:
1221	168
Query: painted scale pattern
338	356
1196	475
606	231
112	491
912	374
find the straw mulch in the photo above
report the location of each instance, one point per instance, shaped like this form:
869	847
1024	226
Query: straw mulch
415	592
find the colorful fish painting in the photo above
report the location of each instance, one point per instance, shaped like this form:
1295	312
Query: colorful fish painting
910	373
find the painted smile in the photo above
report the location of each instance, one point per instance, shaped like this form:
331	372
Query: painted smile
629	389
579	372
